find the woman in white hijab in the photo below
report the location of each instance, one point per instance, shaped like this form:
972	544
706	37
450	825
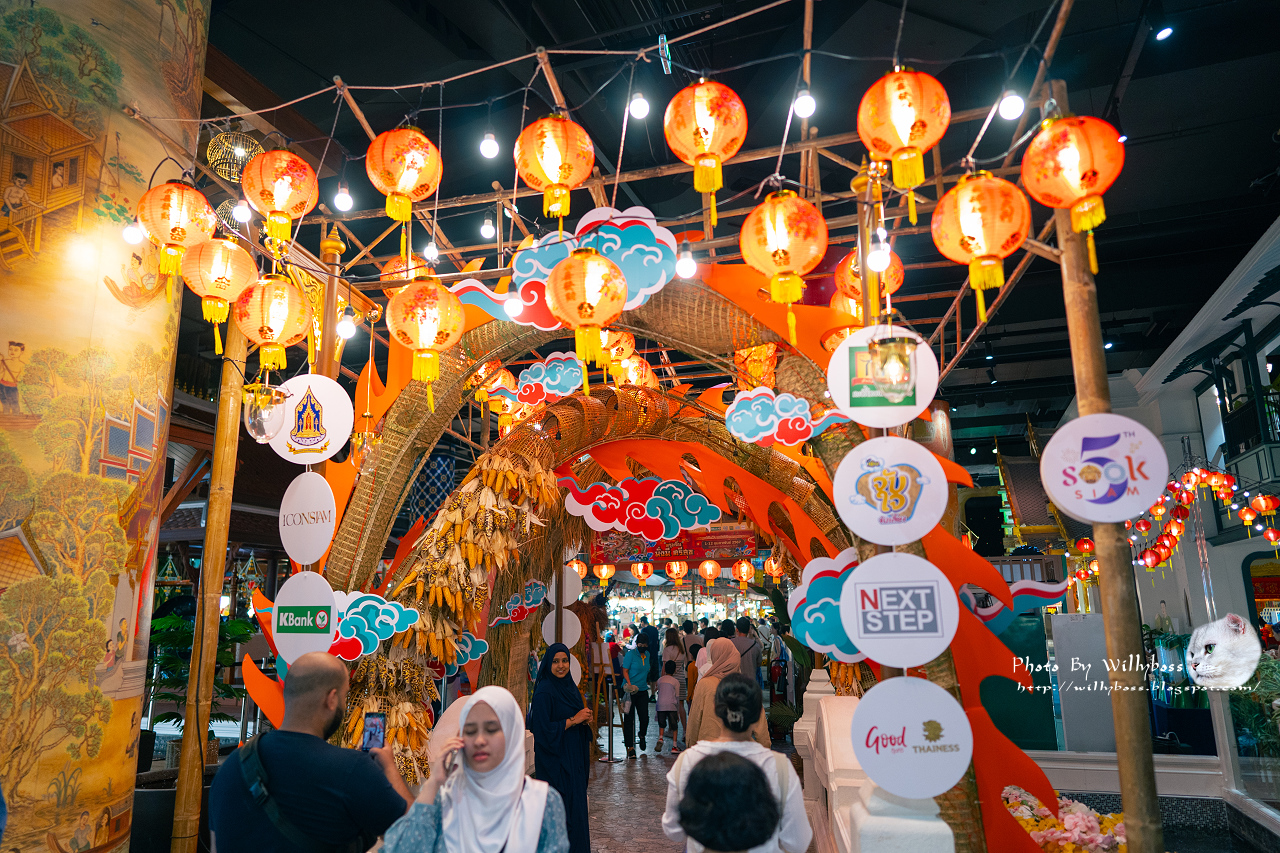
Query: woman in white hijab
478	799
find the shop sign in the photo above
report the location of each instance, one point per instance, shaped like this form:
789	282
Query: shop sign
912	737
899	610
854	393
318	420
1104	468
307	518
890	490
690	545
304	616
1266	588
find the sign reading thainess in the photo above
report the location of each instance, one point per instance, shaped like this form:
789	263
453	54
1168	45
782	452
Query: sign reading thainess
1104	468
652	508
318	419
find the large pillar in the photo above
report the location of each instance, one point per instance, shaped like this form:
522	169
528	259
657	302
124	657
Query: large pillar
87	338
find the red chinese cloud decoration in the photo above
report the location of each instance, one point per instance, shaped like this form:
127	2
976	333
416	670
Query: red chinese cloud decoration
652	508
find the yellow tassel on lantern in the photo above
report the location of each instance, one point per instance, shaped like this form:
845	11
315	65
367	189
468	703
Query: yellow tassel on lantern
985	273
399	207
586	340
908	173
555	201
278	226
1093	252
504	421
311	347
215	309
1088	213
787	287
713	219
482	396
272	357
426	368
170	265
707	178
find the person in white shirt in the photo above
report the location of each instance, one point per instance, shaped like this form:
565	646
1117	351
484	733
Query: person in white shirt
739	705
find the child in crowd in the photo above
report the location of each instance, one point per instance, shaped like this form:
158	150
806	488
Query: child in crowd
668	690
692	669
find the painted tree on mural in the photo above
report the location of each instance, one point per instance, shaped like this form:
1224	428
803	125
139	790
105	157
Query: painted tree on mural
181	68
77	523
15	487
79	78
51	638
72	393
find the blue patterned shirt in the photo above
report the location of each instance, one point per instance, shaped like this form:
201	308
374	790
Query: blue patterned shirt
419	831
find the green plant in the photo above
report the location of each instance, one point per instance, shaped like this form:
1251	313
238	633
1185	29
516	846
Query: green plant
1252	708
65	788
172	638
779	603
783	716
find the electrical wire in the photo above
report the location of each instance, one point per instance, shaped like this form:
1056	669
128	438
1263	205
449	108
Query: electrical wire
897	42
622	139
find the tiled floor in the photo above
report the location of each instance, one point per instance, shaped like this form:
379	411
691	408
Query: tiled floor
627	799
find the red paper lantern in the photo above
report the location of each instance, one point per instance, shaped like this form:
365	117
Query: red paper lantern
554	155
218	271
1175	527
578	566
1084	545
1143	525
1081	574
1166	540
903	115
604	572
1271	535
282	187
1216	480
1150	558
1230	481
784	238
710	570
743	571
1265	504
1247	515
1173	486
849	278
981	221
1164	552
775	568
175	216
405	166
1181	513
1157	510
705	124
1128	524
1191	478
1093	567
676	570
642	572
1186	497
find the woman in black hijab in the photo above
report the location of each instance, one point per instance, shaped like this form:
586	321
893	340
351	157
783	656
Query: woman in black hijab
562	741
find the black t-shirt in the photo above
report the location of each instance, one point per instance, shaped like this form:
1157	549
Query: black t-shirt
330	793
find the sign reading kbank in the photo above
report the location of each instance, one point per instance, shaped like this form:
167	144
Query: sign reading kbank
304	616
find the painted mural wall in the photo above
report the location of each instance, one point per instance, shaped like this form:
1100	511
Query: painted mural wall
87	338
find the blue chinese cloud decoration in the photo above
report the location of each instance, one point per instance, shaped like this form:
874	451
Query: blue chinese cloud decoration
815	606
679	507
370	619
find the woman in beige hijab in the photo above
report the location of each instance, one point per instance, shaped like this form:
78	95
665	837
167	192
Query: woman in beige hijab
703	722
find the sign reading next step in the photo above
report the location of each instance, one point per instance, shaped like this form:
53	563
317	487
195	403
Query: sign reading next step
304	616
899	610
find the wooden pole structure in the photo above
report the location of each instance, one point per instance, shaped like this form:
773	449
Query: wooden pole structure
1120	619
204	651
331	249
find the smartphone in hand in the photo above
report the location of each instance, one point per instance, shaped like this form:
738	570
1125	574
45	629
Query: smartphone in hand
375	731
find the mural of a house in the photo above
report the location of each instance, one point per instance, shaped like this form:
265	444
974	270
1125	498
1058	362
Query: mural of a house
129	446
20	557
43	159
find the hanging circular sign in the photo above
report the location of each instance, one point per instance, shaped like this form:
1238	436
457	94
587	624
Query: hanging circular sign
307	516
303	617
570	628
854	392
912	737
890	490
899	610
575	669
318	419
569	591
1104	468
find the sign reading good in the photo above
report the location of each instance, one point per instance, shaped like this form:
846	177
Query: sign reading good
1104	468
318	419
854	392
912	737
890	491
304	616
899	610
307	516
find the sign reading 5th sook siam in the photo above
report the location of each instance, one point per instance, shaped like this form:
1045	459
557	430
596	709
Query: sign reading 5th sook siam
1104	468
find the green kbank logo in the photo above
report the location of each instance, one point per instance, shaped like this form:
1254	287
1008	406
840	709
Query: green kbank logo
303	620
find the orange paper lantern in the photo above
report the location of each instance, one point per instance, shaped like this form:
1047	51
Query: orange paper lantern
1157	509
604	572
274	313
1071	162
1271	535
616	347
428	319
903	115
981	221
1093	567
586	292
635	370
405	166
1174	527
554	155
282	187
775	568
579	567
846	305
175	216
784	238
218	271
710	570
1247	515
705	124
743	571
849	279
642	572
676	570
402	270
1143	525
1265	504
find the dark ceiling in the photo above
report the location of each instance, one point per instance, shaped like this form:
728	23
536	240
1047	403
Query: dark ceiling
1200	112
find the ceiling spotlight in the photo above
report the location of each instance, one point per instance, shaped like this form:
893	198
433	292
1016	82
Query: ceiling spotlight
342	198
1108	345
346	327
973	451
431	253
639	107
487	231
879	258
1164	33
995	450
991	374
991	353
805	105
1123	138
241	211
489	146
133	233
1011	105
686	266
514	305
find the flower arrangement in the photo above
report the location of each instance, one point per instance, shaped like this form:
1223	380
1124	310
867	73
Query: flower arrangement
1077	829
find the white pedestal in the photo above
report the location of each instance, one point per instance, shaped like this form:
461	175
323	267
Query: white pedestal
880	822
839	775
805	730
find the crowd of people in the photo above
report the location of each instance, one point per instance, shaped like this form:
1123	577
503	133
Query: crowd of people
290	790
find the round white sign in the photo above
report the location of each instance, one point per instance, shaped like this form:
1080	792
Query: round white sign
304	618
912	737
569	591
899	610
854	393
307	516
890	490
575	669
1104	468
570	629
317	421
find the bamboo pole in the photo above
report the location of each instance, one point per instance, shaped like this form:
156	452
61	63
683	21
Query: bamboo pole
204	649
1121	622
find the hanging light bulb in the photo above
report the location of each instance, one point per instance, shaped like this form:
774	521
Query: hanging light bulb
346	327
880	256
893	364
241	211
342	198
487	231
132	233
804	105
264	410
639	106
1011	105
686	266
431	253
489	146
514	305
